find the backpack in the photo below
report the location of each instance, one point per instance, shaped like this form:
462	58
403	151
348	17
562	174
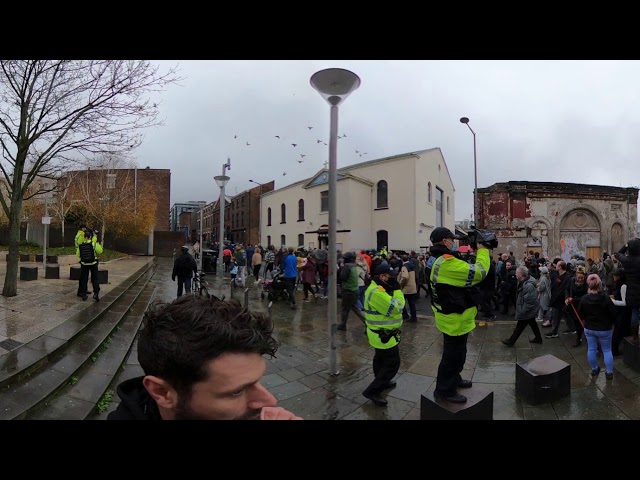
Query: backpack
87	252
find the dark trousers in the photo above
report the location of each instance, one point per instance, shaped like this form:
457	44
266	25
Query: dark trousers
290	283
84	279
622	329
349	300
521	325
307	287
184	282
409	298
487	298
454	354
386	364
256	271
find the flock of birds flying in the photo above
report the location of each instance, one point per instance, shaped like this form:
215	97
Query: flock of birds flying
295	143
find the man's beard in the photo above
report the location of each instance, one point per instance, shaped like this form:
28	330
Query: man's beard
185	412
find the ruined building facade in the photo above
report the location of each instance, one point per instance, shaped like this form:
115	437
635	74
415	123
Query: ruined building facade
558	219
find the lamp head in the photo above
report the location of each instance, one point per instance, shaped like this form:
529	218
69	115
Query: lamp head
335	84
464	120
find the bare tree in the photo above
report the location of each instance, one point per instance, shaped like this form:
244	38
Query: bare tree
56	113
63	198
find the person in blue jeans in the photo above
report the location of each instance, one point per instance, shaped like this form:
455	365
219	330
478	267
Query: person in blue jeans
598	313
289	269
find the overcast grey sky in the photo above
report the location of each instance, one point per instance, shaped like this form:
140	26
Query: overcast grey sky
573	121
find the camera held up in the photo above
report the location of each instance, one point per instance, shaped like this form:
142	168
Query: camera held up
484	237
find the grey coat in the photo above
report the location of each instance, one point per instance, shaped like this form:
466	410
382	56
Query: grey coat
527	305
544	291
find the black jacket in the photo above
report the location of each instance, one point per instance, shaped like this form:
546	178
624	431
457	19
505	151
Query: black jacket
559	287
630	260
136	403
597	312
183	266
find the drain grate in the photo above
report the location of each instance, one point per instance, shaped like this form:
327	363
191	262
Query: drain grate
9	344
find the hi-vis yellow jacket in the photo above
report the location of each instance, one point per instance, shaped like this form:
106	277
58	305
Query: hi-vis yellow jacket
449	270
382	312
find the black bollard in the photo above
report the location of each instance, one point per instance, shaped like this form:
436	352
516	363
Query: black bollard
246	298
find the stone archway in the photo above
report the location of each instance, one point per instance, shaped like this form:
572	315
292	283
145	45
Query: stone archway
579	233
617	237
539	235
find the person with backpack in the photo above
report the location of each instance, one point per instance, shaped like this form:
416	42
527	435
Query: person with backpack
87	252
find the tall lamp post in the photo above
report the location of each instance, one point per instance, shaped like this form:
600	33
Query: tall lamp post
222	180
465	120
334	85
202	205
260	208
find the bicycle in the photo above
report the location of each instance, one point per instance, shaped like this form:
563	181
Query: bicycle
200	285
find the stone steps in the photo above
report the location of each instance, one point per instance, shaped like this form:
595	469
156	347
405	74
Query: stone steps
49	363
19	362
98	374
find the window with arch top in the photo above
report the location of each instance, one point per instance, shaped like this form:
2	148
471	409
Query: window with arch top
382	195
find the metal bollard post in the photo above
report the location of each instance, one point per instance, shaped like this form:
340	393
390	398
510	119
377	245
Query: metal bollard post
269	308
246	297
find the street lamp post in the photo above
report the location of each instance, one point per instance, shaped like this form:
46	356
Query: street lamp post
465	120
334	85
202	205
260	208
222	180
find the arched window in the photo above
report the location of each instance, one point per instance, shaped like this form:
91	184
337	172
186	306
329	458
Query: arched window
382	195
268	240
448	210
301	240
428	195
301	211
283	240
269	217
283	213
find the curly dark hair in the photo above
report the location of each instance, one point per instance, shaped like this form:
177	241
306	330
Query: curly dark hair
178	339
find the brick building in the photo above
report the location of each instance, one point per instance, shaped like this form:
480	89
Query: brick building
558	219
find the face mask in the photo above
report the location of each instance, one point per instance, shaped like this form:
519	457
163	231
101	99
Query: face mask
454	247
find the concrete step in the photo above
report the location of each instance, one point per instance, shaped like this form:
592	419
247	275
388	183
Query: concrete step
65	350
92	385
21	361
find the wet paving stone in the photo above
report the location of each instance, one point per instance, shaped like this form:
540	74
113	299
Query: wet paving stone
621	392
273	380
46	344
64	408
15	361
68	363
90	387
411	386
34	389
271	368
396	409
587	403
107	362
495	372
426	365
414	414
314	381
539	413
292	374
319	404
288	390
67	330
506	405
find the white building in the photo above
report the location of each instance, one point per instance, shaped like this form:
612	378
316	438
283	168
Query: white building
394	201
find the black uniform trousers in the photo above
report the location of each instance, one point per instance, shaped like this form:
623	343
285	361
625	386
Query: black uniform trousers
386	363
454	354
84	279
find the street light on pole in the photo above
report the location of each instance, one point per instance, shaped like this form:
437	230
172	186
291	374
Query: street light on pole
260	207
202	205
334	85
465	120
222	180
